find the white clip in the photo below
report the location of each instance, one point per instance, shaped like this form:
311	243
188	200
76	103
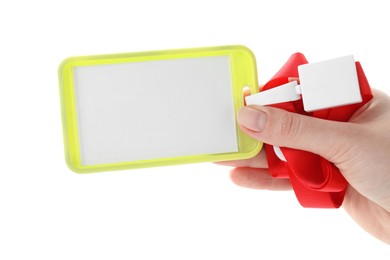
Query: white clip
323	85
283	93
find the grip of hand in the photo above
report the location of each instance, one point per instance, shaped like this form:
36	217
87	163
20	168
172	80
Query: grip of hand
316	182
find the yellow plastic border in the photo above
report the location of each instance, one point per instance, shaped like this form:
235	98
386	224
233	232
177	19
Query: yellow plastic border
244	73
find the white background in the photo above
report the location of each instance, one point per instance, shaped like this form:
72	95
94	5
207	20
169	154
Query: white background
182	212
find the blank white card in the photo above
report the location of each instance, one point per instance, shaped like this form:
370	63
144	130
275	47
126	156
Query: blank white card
155	109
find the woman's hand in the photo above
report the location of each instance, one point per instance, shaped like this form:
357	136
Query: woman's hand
360	148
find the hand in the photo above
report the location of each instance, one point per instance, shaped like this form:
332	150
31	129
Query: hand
360	148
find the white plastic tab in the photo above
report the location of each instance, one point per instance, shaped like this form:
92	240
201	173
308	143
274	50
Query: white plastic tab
329	84
323	85
283	93
279	153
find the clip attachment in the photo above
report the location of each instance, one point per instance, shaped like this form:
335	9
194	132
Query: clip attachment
317	183
323	85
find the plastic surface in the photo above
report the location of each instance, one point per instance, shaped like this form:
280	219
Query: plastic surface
323	85
284	93
330	83
157	108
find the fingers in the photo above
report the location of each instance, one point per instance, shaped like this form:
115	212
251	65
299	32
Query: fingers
259	161
258	179
246	91
279	127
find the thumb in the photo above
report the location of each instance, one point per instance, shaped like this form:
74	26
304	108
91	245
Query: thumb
274	126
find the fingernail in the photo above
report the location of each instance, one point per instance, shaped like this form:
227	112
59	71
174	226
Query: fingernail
252	118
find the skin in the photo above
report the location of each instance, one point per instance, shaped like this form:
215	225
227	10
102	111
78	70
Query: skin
360	148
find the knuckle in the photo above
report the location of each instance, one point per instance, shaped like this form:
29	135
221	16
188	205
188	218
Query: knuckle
290	126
